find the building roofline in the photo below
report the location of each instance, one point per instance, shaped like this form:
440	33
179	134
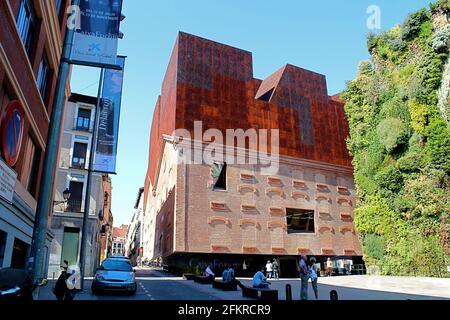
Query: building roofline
138	199
76	97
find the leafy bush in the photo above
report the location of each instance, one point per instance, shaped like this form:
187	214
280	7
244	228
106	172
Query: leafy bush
412	26
389	178
440	42
392	133
375	246
419	116
443	5
438	144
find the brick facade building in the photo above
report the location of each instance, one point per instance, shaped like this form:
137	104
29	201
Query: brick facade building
31	41
306	208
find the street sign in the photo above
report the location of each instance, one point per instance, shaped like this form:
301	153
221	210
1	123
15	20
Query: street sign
8	178
12	125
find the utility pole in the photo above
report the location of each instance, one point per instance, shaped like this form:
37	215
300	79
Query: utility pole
35	263
87	200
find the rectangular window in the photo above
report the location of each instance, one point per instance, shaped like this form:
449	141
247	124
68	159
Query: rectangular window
219	175
300	221
79	155
31	166
19	254
43	76
76	196
26	23
84	119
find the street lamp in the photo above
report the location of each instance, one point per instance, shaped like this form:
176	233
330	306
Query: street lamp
66	196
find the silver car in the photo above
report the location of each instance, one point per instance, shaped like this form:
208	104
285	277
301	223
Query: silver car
115	274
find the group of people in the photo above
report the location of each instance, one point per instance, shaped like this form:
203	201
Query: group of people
270	271
306	272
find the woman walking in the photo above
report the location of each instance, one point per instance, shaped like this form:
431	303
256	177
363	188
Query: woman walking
313	275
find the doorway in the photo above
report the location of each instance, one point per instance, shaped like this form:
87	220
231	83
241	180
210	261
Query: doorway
288	268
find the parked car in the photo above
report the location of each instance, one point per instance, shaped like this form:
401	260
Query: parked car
120	257
115	274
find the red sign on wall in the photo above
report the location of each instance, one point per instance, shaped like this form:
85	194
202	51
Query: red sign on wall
12	124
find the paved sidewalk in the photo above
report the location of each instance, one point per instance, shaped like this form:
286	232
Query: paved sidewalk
351	288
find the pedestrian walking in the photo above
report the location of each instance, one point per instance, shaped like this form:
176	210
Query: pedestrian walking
329	271
268	269
304	277
275	269
313	274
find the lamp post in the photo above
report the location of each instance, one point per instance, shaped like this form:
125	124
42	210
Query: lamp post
35	263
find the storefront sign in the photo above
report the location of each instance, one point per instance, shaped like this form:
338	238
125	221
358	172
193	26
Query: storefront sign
8	178
95	43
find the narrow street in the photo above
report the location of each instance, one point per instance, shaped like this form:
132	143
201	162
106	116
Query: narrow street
155	285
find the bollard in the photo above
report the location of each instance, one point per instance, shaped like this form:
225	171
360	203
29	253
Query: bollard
334	295
288	292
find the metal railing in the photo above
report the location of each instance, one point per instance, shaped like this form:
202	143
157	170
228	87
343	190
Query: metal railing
410	270
74	206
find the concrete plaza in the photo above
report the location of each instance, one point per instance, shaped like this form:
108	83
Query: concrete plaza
155	285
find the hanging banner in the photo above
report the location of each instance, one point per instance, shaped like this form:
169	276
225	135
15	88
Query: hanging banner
109	117
95	42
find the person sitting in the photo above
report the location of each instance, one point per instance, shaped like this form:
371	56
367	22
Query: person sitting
259	280
209	273
230	277
225	275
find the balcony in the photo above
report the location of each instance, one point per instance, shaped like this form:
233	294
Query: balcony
75	206
82	129
79	163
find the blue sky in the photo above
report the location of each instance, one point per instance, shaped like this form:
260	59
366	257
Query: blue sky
326	36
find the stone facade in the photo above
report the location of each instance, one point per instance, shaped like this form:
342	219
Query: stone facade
67	217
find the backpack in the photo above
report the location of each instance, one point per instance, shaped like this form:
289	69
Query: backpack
312	274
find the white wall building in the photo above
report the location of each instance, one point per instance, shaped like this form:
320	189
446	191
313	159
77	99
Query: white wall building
66	224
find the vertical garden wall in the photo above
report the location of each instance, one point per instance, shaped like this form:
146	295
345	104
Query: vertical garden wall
398	110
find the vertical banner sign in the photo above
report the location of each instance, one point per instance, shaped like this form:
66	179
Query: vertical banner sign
109	116
96	38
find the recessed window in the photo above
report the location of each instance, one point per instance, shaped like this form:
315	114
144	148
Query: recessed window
267	96
300	221
79	155
31	166
76	196
43	76
26	23
219	174
84	119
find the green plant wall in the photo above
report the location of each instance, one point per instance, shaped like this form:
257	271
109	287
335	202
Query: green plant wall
400	143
